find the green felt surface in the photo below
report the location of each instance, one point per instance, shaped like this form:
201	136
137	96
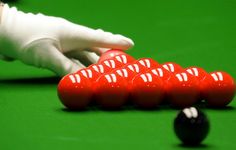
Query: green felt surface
200	33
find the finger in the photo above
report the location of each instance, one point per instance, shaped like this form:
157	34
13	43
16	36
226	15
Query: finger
85	57
109	40
55	61
98	50
86	37
76	61
62	65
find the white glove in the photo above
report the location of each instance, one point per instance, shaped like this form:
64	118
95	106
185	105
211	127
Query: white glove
54	43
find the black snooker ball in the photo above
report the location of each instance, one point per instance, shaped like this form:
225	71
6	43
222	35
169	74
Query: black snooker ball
191	126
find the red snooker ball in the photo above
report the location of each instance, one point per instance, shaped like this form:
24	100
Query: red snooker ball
112	64
183	90
148	63
123	73
219	89
172	67
135	68
124	58
147	90
198	72
127	74
99	68
110	54
163	74
75	91
111	91
89	73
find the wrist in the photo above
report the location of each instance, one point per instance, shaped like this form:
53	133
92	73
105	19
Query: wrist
1	8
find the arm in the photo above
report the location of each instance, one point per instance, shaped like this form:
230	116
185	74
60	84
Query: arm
53	43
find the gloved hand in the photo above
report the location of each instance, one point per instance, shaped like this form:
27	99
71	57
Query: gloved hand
54	43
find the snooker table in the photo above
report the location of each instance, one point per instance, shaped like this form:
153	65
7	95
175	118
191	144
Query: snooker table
190	33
